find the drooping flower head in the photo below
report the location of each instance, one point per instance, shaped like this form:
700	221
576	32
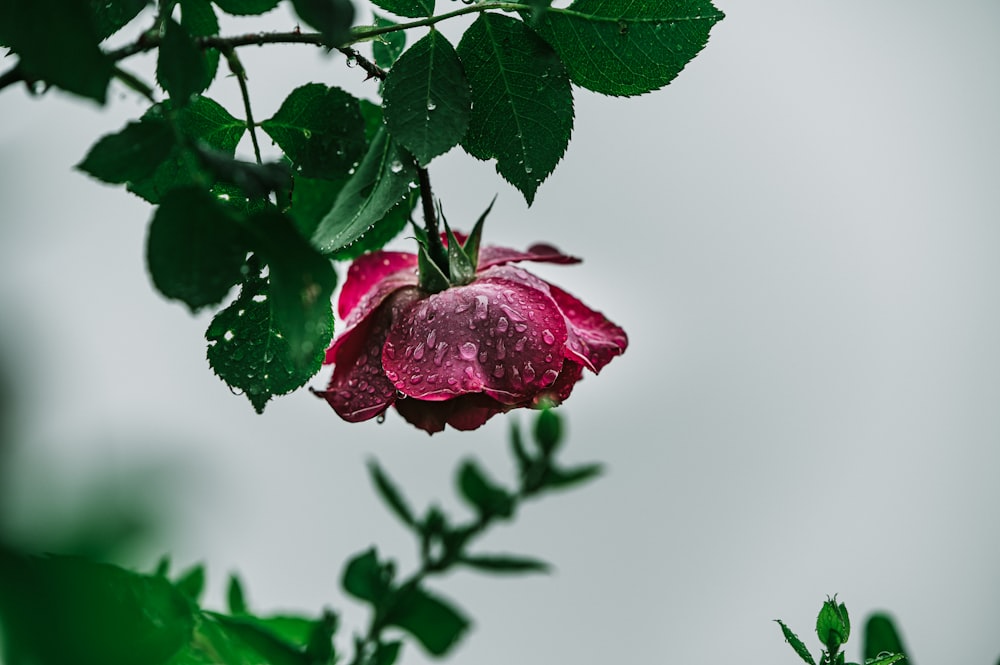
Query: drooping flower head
457	350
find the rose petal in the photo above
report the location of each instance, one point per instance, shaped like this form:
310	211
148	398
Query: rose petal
559	391
366	272
466	412
494	256
591	338
359	389
495	335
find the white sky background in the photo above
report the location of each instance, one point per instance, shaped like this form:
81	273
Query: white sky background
800	237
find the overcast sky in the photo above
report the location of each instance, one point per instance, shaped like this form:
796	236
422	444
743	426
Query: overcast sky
800	237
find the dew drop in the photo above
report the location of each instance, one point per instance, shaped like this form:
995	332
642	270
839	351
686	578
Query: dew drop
468	351
469	373
549	377
501	350
380	418
519	345
418	352
439	353
529	372
482	356
502	324
431	339
462	307
527	169
482	307
228	336
498	371
431	106
396	166
520	327
452	381
548	337
390	351
416	378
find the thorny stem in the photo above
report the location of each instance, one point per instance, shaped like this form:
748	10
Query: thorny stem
151	39
236	67
436	248
373	70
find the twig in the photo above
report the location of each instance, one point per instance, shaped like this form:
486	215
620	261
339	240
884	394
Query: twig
236	67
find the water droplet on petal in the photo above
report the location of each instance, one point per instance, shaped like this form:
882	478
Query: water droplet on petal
416	378
548	337
482	307
520	327
501	350
439	353
519	345
431	339
380	418
502	324
468	350
498	371
549	377
482	356
529	372
418	352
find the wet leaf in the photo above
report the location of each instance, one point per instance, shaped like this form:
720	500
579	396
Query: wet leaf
426	98
133	153
181	66
619	47
408	8
246	7
796	643
332	18
522	104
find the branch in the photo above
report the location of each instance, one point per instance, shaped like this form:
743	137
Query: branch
149	41
236	67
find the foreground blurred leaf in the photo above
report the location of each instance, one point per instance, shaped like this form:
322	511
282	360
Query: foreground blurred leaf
58	610
505	563
333	18
246	7
522	104
619	47
62	52
481	493
390	494
432	621
881	637
366	578
181	66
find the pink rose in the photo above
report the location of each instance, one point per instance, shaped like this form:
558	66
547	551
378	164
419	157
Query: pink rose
504	340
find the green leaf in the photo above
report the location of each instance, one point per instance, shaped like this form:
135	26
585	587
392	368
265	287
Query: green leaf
62	52
472	243
522	104
386	48
71	610
301	285
386	653
199	19
832	627
234	595
367	579
333	18
195	250
192	582
796	643
524	461
432	278
110	16
133	153
379	184
319	648
390	493
248	352
272	648
882	637
548	431
566	478
505	563
181	67
619	47
408	8
202	121
432	621
481	493
426	98
294	629
246	7
886	659
320	129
